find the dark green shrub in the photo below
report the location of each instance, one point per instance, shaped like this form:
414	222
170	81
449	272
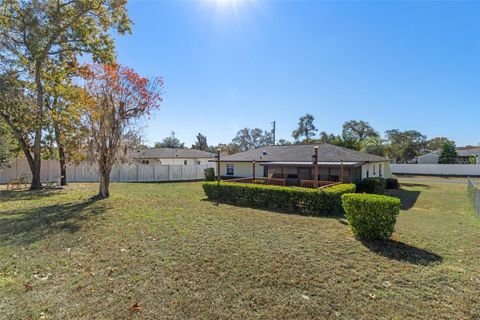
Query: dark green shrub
371	216
374	185
315	201
209	174
392	183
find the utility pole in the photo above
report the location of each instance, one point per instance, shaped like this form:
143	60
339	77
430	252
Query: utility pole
273	131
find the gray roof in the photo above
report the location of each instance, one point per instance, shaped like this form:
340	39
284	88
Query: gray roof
320	163
469	152
303	153
168	153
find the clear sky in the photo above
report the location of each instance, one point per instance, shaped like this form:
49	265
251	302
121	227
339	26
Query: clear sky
234	64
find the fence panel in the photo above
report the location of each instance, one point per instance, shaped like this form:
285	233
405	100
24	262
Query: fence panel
437	169
474	194
87	172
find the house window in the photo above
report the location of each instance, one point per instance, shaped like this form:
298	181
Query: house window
185	162
145	162
373	169
368	174
198	162
380	169
230	171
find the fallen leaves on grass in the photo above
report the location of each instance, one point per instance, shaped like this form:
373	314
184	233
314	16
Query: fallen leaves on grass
135	307
27	286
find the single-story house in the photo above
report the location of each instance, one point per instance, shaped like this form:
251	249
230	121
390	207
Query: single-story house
464	156
171	156
295	162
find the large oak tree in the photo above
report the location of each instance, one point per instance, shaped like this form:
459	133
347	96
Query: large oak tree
33	32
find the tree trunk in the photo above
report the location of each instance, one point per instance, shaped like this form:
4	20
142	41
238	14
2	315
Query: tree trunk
37	160
63	171
104	172
21	141
62	158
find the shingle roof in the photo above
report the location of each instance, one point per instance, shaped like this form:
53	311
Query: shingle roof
469	152
303	153
162	153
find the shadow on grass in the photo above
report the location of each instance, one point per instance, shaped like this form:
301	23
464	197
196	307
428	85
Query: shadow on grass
21	227
396	250
298	211
408	198
421	185
25	194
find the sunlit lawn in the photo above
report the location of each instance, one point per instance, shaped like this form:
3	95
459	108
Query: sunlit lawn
157	251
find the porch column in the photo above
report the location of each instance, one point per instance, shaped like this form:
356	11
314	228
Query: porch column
253	169
315	164
218	165
341	171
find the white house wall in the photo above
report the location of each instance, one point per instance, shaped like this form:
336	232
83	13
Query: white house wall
176	161
373	170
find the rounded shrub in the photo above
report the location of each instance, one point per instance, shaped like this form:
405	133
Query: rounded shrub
209	174
375	185
371	216
392	183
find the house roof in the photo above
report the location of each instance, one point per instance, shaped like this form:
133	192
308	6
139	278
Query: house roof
320	163
303	153
168	153
468	153
460	153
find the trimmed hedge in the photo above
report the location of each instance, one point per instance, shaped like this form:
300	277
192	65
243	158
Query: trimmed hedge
375	185
392	183
371	216
209	174
316	201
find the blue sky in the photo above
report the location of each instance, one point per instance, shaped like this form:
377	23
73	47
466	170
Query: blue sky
234	64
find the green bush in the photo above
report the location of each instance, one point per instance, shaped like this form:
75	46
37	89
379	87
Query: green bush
392	183
315	201
371	216
209	174
374	185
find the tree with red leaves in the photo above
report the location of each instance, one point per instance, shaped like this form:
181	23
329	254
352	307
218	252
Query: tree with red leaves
116	98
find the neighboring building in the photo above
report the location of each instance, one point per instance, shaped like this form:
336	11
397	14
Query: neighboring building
295	162
171	156
464	156
429	158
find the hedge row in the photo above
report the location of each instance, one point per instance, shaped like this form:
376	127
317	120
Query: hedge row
377	185
371	216
314	201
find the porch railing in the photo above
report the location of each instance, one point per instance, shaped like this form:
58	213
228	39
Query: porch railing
271	181
316	183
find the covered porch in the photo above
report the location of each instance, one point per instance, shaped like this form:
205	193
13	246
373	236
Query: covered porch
297	173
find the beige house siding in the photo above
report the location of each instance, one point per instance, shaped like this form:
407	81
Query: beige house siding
242	169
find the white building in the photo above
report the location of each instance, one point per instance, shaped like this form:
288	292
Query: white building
171	156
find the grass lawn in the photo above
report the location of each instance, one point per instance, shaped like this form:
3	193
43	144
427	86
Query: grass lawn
160	251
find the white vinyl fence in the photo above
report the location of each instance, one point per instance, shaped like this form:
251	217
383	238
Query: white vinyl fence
437	169
474	194
86	172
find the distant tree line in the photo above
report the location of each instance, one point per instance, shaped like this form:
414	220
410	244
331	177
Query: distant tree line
401	146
